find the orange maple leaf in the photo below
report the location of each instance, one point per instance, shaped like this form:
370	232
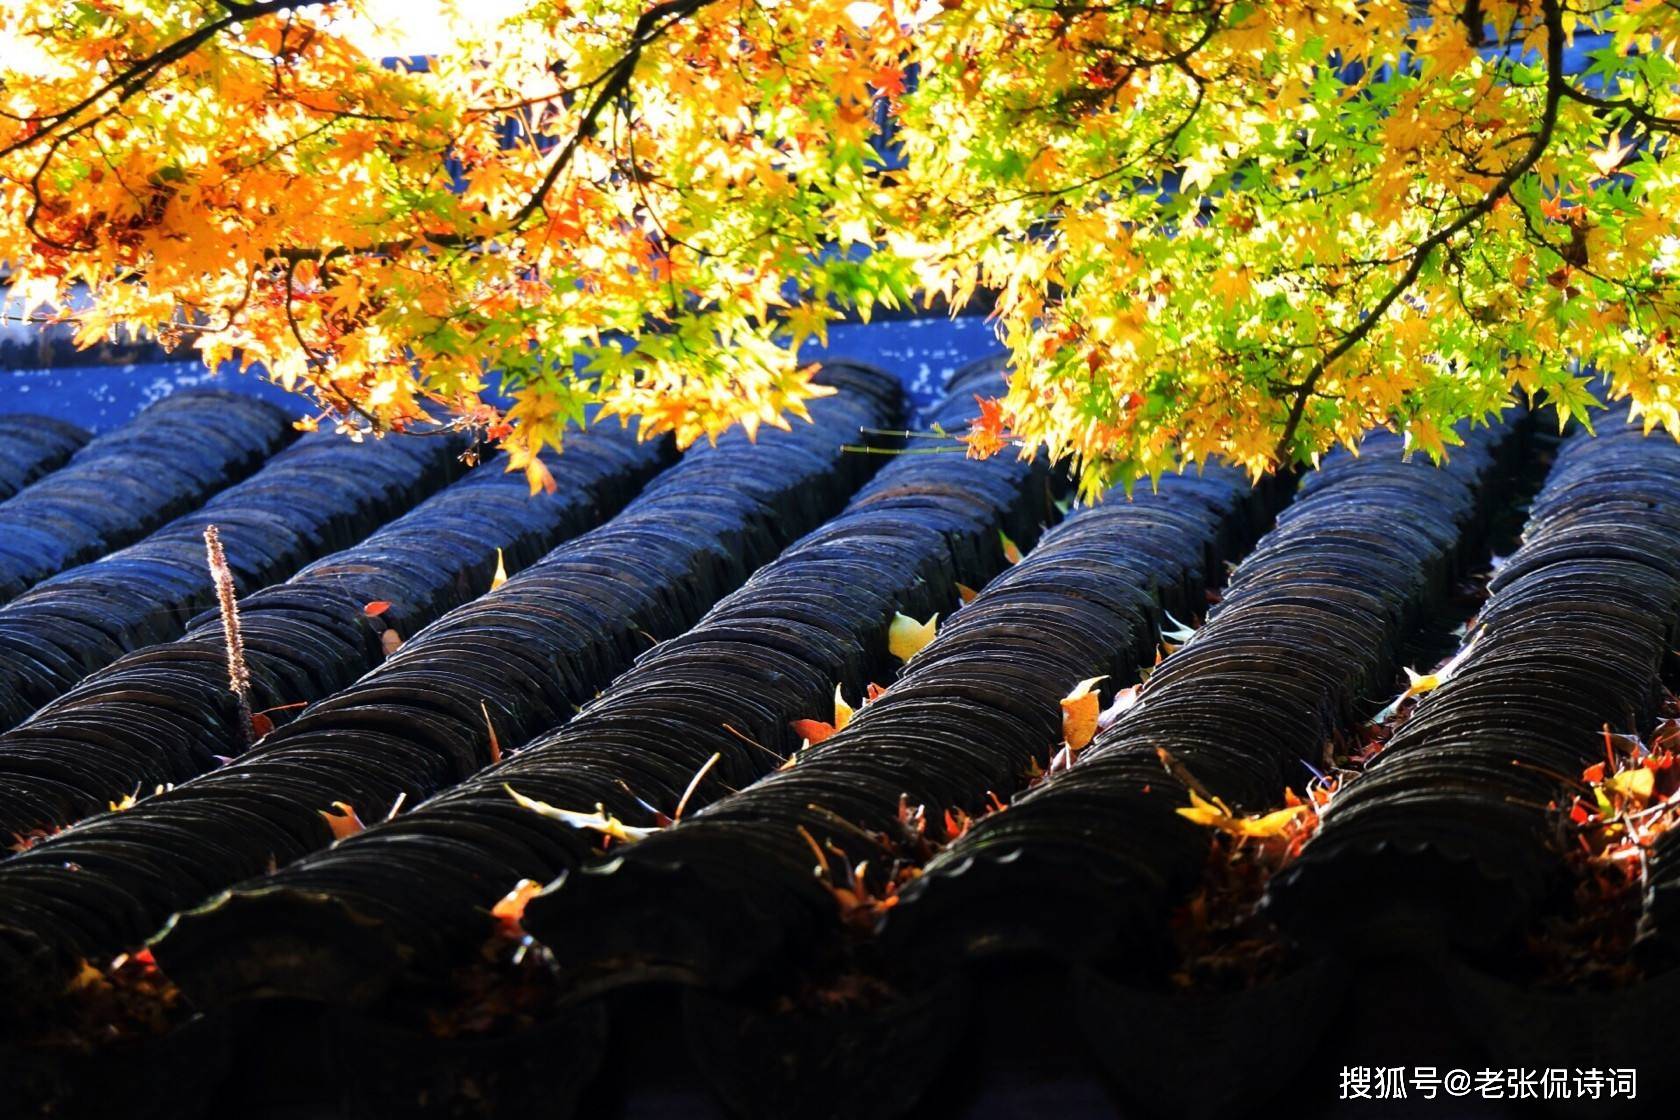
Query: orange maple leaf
812	731
342	819
511	908
1080	709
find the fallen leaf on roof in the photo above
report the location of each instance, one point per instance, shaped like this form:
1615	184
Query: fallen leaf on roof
599	821
342	819
1080	710
906	636
843	711
1216	814
1124	701
1178	635
511	908
812	731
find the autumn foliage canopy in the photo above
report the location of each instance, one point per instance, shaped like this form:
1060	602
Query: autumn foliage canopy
1205	227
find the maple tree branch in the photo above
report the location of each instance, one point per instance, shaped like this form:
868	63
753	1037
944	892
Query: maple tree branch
609	87
134	79
32	220
314	359
1215	14
61	126
1160	147
652	24
1557	86
1637	112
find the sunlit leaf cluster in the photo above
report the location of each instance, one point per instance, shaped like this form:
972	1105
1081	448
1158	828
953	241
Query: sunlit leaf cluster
1208	228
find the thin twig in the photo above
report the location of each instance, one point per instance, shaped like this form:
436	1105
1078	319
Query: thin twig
699	775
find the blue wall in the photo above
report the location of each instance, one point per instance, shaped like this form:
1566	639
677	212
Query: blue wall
920	351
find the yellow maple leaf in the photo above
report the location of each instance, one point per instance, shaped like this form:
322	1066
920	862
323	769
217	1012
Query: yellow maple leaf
809	320
1230	285
87	976
843	711
1216	814
599	821
1275	823
1080	709
1213	813
1420	683
1636	784
1606	161
906	636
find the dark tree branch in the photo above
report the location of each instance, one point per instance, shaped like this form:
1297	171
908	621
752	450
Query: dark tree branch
609	86
1635	111
653	23
134	79
1557	87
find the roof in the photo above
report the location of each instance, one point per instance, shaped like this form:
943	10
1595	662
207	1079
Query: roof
685	720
